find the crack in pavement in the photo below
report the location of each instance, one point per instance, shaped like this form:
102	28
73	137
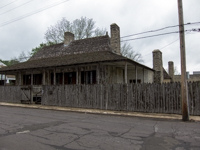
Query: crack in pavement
63	147
33	127
79	138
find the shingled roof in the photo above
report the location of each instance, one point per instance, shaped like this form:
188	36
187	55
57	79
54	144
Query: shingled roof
101	43
72	59
85	51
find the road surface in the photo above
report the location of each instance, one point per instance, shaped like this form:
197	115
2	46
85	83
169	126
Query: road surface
36	129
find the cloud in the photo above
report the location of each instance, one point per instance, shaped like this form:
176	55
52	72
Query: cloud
133	16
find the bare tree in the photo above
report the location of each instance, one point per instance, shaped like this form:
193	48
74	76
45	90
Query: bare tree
55	34
99	32
81	28
176	72
90	25
127	51
23	56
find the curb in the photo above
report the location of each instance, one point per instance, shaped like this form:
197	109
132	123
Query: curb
104	112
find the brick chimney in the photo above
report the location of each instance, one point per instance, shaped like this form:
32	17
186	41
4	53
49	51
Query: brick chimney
158	66
171	70
115	38
68	37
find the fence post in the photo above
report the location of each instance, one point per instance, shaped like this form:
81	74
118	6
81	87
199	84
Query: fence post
106	97
101	95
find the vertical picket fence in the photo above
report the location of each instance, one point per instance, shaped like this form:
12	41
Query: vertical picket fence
152	98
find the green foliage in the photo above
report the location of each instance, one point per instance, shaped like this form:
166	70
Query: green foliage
10	62
36	49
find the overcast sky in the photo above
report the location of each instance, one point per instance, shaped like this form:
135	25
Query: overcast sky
132	16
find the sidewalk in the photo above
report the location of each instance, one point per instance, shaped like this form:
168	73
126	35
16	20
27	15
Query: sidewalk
98	111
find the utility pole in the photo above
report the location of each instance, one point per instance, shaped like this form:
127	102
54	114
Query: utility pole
184	88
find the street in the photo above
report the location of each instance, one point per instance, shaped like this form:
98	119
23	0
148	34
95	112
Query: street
37	129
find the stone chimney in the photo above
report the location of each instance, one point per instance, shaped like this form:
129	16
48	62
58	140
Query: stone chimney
171	70
158	66
115	38
69	37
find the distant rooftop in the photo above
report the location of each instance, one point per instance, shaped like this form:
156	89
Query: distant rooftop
2	64
196	72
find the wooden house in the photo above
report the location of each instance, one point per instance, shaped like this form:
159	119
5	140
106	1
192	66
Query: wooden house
94	60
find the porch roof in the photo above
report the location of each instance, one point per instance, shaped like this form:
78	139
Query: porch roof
73	59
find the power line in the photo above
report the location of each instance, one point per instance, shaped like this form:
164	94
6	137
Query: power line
150	36
198	30
178	39
32	13
16	7
172	42
169	44
159	29
7	4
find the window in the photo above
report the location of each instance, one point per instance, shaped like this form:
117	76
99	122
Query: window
70	77
59	78
1	82
88	77
27	79
52	78
37	79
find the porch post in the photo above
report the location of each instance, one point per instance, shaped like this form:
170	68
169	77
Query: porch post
43	78
97	73
4	79
77	75
135	74
31	77
19	78
143	75
1	78
54	76
48	78
125	73
63	77
31	90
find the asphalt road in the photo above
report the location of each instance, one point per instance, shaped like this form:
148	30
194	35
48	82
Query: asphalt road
35	129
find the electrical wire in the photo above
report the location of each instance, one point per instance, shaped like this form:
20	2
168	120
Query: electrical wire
172	42
140	37
32	13
197	30
16	7
150	36
160	29
169	44
179	38
7	4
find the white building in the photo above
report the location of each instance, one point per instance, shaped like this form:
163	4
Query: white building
10	79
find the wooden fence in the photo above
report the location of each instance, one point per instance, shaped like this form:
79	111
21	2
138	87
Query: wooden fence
10	94
154	98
